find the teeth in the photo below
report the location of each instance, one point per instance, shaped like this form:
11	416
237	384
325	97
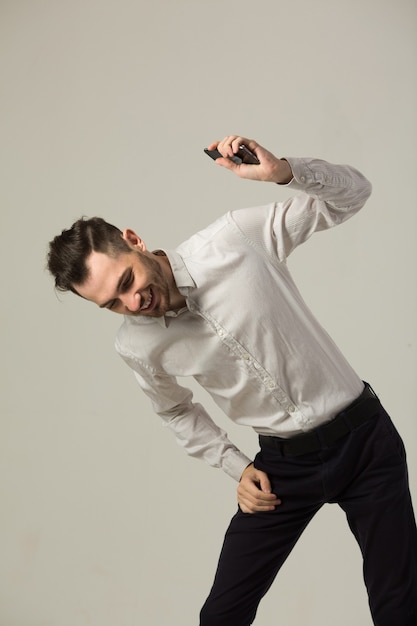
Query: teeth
148	302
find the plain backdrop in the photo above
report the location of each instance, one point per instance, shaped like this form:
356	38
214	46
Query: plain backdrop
105	108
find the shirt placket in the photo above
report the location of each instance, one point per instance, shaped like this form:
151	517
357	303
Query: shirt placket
256	369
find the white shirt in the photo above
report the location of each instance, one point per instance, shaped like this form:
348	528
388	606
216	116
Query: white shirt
246	335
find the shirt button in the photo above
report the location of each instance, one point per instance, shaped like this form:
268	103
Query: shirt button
271	385
291	409
246	356
303	179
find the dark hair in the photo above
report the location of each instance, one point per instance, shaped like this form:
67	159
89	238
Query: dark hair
68	251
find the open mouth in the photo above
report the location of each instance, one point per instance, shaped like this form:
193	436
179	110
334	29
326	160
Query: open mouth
148	302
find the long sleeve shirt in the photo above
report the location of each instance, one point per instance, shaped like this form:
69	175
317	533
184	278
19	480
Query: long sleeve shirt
246	335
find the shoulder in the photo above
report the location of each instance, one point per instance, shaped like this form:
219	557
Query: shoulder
134	336
203	237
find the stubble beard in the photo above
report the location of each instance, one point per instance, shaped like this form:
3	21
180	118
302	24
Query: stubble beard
159	285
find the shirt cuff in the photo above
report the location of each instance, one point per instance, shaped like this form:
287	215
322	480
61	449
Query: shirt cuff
235	463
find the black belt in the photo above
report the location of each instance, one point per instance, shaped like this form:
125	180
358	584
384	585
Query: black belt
360	411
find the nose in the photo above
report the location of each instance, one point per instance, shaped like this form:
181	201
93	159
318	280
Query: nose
131	301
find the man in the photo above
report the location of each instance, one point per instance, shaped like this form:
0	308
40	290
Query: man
223	308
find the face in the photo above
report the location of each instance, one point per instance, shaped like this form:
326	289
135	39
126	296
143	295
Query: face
133	283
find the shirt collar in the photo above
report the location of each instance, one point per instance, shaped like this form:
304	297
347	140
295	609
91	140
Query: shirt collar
181	274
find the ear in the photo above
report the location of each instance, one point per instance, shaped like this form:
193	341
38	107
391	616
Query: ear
133	240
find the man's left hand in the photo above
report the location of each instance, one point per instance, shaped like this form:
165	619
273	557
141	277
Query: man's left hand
270	169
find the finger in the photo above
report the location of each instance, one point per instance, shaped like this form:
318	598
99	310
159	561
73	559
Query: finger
255	496
260	502
249	507
227	163
238	141
265	483
256	481
249	143
225	146
230	145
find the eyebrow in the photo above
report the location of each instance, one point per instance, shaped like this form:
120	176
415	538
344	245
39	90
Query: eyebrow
120	282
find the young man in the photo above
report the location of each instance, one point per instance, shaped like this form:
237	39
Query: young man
223	309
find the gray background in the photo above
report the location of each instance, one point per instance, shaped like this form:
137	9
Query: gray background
105	108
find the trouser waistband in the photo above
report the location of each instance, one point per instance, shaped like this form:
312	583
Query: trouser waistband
358	412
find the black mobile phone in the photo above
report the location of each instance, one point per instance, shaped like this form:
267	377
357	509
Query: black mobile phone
243	155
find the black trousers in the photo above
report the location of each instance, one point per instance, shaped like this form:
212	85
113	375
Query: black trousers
365	473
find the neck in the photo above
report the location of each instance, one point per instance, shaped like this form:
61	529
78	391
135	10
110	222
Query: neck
177	300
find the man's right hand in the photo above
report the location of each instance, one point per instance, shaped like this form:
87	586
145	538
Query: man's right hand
254	492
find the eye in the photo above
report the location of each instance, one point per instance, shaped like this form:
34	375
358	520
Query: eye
127	282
